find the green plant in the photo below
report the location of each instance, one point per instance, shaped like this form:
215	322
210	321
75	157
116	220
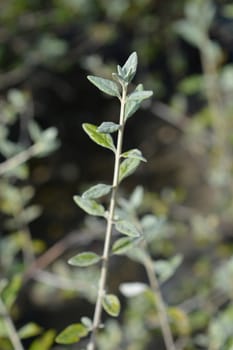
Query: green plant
125	164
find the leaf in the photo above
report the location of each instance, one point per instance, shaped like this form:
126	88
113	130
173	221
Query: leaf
139	95
132	289
127	167
87	322
97	191
111	304
84	259
122	245
132	106
90	206
166	268
29	330
127	228
105	85
11	291
130	67
44	342
108	127
134	153
72	334
104	140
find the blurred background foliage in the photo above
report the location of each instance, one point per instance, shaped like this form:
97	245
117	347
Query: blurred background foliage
185	50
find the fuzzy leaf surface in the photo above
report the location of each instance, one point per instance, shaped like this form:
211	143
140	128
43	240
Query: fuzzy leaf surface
134	153
111	304
108	127
105	85
130	67
140	95
72	334
104	140
127	228
90	206
84	259
127	167
97	191
122	245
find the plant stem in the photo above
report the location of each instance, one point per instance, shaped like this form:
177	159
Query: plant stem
18	159
110	219
162	312
13	336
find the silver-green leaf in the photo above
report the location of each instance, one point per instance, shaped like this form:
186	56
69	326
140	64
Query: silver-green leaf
84	259
108	127
122	245
134	153
111	304
104	140
130	67
140	95
105	85
90	206
97	191
127	228
127	167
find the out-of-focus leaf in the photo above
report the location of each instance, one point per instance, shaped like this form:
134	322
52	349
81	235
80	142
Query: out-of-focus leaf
111	304
84	259
72	334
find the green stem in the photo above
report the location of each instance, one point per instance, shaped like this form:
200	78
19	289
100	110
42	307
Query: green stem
12	332
108	234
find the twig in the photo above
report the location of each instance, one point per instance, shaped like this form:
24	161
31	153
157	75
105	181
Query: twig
162	312
12	332
18	159
108	235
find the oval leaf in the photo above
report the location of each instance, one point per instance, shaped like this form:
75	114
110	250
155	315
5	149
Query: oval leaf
111	304
127	228
127	167
90	206
104	140
132	289
97	191
72	334
122	245
29	330
105	85
108	127
84	259
134	153
140	95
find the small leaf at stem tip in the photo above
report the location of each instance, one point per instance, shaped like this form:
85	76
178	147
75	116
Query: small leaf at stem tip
72	334
127	167
122	245
84	259
132	289
139	95
104	140
105	85
97	191
130	67
111	304
90	206
134	153
127	228
108	127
